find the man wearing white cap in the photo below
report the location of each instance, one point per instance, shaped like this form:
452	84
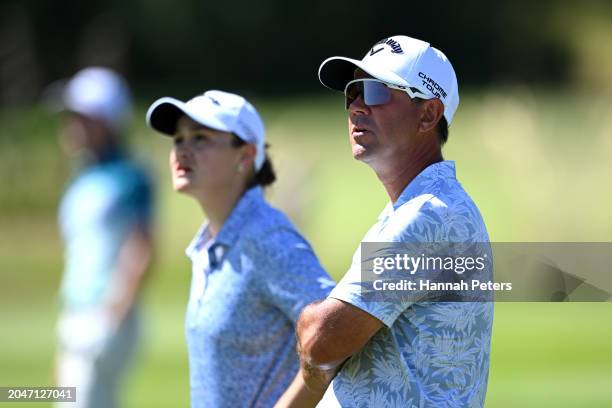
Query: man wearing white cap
252	271
105	219
400	98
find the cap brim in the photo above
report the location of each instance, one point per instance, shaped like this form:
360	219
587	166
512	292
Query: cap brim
336	72
164	114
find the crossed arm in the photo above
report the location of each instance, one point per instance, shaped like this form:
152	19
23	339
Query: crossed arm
328	332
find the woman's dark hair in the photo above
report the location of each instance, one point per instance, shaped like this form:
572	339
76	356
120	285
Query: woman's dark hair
266	175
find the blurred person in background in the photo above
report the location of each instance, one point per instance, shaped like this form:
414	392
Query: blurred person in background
416	352
252	270
105	220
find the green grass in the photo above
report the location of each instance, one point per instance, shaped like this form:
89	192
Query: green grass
536	164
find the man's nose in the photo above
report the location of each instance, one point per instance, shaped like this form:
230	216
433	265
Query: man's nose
358	106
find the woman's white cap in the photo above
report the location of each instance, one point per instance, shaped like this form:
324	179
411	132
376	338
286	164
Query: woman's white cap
217	110
99	93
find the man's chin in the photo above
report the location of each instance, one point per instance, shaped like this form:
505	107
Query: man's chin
360	152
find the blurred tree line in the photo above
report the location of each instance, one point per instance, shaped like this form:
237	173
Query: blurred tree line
275	47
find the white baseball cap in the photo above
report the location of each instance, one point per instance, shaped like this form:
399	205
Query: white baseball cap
402	61
217	110
99	93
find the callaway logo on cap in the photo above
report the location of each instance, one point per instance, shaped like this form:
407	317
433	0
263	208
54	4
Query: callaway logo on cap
402	61
395	47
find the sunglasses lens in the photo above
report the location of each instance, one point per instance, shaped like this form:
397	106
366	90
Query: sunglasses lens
352	92
373	93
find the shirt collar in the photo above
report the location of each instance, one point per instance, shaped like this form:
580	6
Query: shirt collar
419	185
199	240
242	211
233	224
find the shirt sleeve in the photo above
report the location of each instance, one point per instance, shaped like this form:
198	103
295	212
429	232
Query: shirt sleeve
387	306
136	201
288	272
351	289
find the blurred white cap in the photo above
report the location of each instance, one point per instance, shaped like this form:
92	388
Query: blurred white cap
99	93
217	110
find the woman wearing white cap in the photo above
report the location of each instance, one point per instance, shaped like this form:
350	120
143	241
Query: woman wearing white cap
105	218
252	271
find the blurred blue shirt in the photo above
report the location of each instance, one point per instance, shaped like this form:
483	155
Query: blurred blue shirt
427	354
102	204
249	285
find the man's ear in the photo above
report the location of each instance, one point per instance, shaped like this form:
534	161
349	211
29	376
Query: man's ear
431	113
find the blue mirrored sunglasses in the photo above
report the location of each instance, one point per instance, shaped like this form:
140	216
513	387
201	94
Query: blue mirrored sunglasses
376	92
